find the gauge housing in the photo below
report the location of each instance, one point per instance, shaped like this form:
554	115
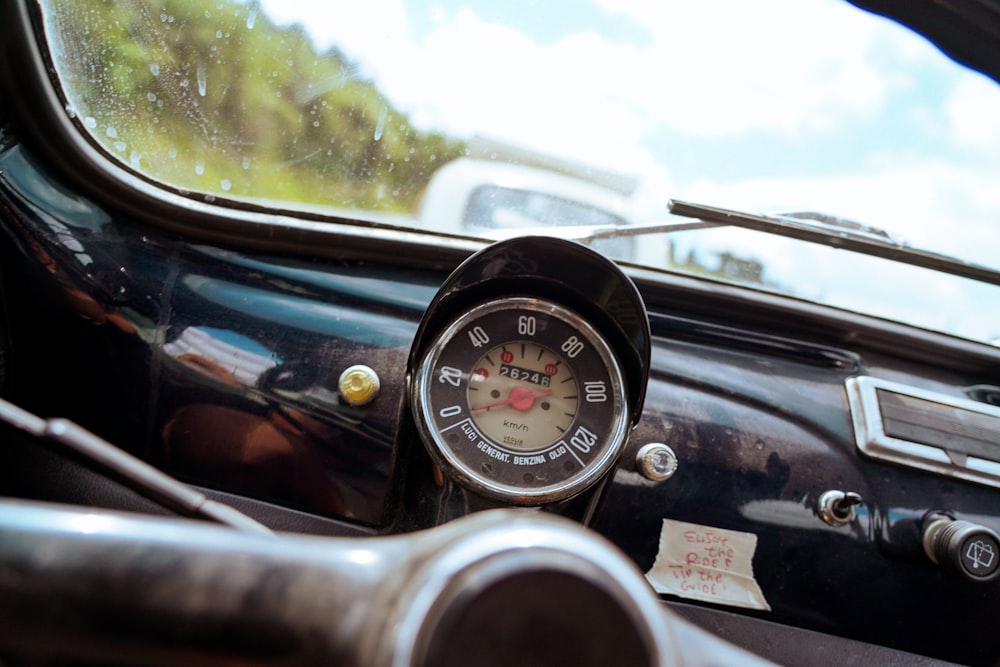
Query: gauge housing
578	296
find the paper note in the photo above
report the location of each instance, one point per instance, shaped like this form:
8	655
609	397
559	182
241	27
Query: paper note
709	564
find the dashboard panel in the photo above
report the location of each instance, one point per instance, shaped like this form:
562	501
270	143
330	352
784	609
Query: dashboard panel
221	367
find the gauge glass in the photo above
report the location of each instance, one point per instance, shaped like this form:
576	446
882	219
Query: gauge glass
522	400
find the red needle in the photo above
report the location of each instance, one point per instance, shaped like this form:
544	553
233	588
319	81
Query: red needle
521	398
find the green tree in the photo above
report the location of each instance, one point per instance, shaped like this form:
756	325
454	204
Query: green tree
212	97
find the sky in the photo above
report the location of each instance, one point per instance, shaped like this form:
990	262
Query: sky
762	106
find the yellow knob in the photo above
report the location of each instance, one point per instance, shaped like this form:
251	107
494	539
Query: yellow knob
359	385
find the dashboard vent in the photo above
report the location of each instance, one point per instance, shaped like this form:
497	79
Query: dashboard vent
935	432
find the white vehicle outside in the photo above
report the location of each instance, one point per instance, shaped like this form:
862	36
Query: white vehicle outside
500	200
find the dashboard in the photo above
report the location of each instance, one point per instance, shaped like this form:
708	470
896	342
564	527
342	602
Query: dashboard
715	436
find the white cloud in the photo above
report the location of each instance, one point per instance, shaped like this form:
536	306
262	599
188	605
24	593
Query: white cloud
714	68
360	28
973	114
722	67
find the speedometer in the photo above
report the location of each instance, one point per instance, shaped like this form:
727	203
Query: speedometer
522	400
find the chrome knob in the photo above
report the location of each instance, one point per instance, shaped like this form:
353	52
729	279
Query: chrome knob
969	549
656	462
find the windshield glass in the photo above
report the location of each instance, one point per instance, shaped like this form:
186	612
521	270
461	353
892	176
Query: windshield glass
485	118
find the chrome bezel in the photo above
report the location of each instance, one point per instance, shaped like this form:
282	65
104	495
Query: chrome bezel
452	464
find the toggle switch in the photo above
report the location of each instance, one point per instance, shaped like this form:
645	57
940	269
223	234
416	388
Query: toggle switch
836	508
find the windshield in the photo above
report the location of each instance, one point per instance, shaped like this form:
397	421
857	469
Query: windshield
485	118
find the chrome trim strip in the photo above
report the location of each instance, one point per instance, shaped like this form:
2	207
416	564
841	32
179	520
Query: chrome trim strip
872	440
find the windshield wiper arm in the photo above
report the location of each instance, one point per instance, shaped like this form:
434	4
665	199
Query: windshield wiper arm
812	227
865	240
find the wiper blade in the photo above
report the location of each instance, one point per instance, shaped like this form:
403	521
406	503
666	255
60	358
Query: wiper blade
864	240
805	226
840	224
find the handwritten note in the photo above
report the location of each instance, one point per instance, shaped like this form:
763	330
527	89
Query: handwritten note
709	564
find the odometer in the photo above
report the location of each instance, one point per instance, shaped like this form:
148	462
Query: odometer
522	400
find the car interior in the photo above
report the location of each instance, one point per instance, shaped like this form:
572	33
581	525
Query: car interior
243	433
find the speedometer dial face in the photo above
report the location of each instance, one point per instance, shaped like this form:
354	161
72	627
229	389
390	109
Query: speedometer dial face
523	395
522	400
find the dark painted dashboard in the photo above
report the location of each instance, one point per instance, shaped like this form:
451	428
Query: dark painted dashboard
220	366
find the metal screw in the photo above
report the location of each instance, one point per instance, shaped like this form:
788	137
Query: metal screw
656	461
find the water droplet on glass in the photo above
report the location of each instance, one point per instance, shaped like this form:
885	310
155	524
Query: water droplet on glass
151	97
315	123
251	18
134	159
70	111
218	34
199	168
202	81
172	153
155	69
210	198
111	132
246	163
90	122
380	125
225	184
120	146
185	83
